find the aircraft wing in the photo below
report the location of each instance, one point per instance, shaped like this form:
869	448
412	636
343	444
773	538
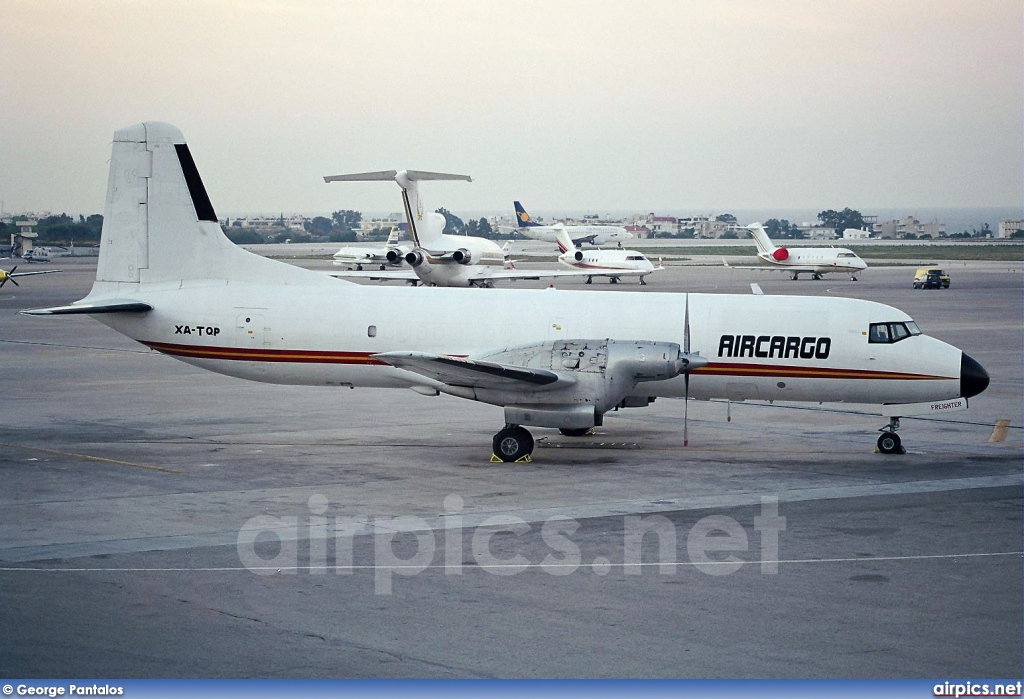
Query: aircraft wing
779	268
612	272
29	274
459	371
405	275
588	239
513	274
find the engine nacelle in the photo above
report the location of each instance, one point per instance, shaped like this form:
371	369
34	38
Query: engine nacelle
643	361
598	376
578	256
462	256
394	256
414	258
781	254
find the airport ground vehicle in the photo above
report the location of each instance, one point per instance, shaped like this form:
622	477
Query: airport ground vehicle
921	276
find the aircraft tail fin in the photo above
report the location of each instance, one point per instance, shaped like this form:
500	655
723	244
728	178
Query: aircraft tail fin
565	243
764	244
393	237
523	218
158	222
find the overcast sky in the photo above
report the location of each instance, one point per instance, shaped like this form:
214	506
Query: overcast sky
701	105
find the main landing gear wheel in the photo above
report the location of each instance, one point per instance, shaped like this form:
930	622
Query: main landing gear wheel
643	282
889	442
816	277
590	280
513	444
576	431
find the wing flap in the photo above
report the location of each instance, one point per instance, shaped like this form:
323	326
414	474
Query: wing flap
459	371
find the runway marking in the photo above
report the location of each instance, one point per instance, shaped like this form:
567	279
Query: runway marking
87	457
522	566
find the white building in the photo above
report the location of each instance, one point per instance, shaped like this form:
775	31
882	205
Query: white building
1007	228
908	225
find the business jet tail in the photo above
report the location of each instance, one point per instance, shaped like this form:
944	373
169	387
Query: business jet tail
761	239
423	225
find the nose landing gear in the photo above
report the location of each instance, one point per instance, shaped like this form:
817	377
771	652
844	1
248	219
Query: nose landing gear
889	442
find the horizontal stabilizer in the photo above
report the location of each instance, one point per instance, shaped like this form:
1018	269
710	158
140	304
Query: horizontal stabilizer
389	175
91	309
458	371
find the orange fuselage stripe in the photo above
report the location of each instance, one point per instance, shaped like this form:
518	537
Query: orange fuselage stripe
249	354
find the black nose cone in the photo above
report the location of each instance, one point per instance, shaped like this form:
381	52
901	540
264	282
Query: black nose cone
973	377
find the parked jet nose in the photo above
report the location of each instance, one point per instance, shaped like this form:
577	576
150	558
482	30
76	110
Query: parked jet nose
973	377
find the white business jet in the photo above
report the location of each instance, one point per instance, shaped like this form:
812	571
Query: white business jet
439	259
594	235
803	260
614	264
356	256
170	279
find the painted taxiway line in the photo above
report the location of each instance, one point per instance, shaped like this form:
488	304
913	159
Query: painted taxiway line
368	526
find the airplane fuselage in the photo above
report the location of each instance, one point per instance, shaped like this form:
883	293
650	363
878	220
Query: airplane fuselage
817	260
362	255
436	263
625	261
326	333
594	235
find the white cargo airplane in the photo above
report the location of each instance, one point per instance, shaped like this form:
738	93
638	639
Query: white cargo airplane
168	278
803	260
594	235
613	264
390	254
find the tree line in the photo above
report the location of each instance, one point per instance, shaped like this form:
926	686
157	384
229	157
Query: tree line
61	229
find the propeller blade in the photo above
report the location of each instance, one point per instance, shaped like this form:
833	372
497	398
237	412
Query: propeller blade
686	406
686	371
11	273
13	282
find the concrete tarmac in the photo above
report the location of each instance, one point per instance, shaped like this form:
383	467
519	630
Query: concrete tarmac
160	521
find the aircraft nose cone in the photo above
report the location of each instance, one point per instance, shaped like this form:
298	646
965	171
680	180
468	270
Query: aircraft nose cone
973	377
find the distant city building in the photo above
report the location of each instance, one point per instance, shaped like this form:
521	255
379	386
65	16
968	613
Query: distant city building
662	224
293	222
1008	228
817	232
21	242
856	234
639	232
908	226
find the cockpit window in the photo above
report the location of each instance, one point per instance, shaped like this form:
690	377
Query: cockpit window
892	332
846	254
